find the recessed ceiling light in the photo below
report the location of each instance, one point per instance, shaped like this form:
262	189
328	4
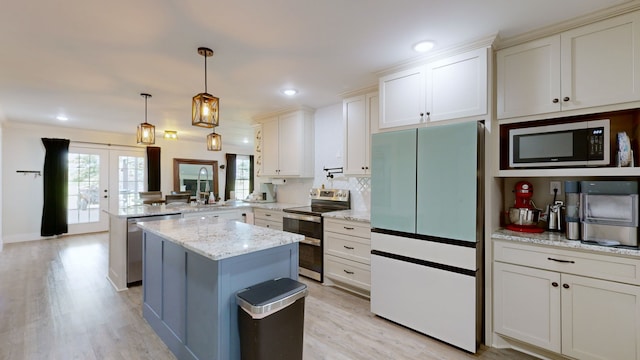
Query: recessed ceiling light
62	118
423	46
289	92
245	140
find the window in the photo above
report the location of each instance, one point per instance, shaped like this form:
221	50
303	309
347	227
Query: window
242	177
131	179
83	203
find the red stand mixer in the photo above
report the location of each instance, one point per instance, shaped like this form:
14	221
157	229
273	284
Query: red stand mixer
524	216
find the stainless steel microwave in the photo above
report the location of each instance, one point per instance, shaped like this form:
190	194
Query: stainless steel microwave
585	143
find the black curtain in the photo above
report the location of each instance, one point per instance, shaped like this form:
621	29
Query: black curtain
55	178
230	181
250	174
153	168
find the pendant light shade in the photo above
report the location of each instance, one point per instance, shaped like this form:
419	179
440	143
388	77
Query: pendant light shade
214	142
205	107
146	132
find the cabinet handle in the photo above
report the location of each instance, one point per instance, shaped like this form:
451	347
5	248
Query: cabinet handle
566	286
566	98
347	228
554	284
267	214
348	247
562	261
555	101
348	272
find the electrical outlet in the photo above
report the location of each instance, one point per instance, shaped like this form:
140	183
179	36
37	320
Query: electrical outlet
555	185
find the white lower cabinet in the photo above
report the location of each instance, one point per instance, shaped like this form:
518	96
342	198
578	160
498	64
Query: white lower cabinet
271	219
347	255
578	316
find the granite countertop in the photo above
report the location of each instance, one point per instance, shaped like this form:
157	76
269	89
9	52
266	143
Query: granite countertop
219	239
150	210
275	206
559	240
351	215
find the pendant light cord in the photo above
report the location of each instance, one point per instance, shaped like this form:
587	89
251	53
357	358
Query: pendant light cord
205	73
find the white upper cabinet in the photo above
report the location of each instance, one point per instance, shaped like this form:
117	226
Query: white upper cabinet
593	65
528	78
402	100
451	88
359	112
287	145
457	86
600	63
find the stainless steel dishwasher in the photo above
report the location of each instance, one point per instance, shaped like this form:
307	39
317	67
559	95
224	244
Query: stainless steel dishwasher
134	246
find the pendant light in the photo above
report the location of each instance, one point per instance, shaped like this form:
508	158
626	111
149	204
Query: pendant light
146	131
204	107
214	142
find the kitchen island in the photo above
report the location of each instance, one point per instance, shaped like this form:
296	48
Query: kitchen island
192	269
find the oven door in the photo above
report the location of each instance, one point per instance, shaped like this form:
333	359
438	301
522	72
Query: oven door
309	249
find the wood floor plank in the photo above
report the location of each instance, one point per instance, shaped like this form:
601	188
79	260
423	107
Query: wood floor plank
56	303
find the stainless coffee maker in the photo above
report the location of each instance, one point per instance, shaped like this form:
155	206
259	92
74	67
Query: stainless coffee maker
609	212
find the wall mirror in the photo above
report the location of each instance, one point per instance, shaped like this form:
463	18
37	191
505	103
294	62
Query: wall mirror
186	172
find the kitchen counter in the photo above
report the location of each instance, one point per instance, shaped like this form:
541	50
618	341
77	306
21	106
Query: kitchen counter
559	240
151	210
219	239
351	215
193	267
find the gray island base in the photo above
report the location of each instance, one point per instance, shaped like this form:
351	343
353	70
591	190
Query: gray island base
192	269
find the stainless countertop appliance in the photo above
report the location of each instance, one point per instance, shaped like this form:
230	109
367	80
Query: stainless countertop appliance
307	221
609	212
134	246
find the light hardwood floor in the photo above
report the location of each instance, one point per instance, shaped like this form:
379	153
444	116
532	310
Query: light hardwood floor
56	303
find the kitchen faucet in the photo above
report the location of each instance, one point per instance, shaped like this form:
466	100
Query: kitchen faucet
206	186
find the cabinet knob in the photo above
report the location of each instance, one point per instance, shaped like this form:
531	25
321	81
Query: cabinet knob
421	114
428	113
366	167
566	286
555	100
554	284
566	98
363	168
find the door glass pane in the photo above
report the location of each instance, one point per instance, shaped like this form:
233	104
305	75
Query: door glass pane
242	177
130	179
84	179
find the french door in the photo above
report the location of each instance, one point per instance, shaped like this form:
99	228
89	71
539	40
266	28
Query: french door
101	178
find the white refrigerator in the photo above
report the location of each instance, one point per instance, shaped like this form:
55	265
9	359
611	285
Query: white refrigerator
427	230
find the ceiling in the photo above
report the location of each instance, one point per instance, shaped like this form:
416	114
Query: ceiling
90	60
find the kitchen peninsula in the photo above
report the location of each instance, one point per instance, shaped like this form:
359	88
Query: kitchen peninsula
192	269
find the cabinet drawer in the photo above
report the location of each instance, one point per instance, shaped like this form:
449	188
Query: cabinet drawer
605	267
353	273
350	228
345	246
271	215
268	224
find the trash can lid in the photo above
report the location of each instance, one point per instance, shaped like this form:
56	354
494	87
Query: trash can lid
270	296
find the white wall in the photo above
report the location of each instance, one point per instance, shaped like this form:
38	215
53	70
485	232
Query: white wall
329	152
22	195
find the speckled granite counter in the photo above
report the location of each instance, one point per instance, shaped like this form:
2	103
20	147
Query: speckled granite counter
559	240
219	239
351	215
150	210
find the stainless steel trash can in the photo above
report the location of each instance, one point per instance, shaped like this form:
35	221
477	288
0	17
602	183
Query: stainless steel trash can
271	320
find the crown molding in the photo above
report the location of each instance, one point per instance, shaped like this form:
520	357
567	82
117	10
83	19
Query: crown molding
258	118
361	91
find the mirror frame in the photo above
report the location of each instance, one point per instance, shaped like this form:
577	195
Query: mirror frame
176	172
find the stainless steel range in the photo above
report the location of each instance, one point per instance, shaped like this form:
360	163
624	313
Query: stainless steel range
307	221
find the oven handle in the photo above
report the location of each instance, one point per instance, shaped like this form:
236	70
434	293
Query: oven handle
311	241
316	219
